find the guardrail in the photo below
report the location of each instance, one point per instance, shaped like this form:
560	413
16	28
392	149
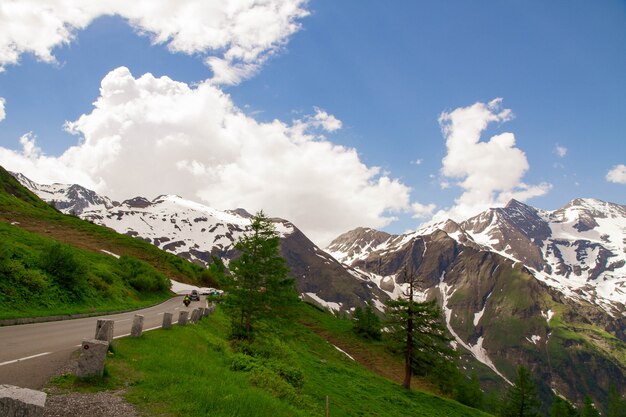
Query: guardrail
24	402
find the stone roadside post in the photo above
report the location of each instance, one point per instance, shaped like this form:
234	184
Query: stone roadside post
92	356
137	328
104	330
167	320
21	402
182	318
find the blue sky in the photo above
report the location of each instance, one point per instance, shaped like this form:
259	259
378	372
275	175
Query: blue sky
384	72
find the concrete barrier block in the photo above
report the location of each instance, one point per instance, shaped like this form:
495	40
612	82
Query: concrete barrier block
167	320
92	356
137	328
104	330
195	316
21	402
182	318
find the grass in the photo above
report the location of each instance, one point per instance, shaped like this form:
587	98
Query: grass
21	207
101	284
82	279
288	371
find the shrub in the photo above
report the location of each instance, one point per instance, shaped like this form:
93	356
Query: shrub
270	381
64	266
141	276
241	362
293	376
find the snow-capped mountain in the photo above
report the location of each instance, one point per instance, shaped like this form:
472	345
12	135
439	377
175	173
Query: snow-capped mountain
72	199
579	249
197	232
518	285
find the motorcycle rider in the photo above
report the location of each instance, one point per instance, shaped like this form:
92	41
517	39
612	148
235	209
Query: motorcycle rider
187	300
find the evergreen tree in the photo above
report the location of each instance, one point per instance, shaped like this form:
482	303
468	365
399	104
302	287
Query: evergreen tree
366	323
562	408
588	410
418	329
616	406
259	284
521	399
470	394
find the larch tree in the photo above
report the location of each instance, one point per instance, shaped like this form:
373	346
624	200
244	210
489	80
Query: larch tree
417	328
521	399
259	281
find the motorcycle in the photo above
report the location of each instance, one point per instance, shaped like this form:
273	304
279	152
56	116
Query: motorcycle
186	302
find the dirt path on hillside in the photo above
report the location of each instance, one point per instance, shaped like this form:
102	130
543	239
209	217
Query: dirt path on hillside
383	365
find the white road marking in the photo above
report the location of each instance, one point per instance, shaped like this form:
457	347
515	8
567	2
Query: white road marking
152	328
119	321
23	359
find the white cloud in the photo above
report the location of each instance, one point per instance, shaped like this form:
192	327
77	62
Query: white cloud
617	174
149	136
489	173
561	151
418	161
3	113
239	35
421	211
326	121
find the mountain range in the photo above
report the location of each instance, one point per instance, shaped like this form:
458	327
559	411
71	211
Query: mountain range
197	233
518	285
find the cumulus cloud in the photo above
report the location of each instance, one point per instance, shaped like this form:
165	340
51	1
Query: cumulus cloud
617	174
238	35
561	151
149	136
489	172
3	113
421	211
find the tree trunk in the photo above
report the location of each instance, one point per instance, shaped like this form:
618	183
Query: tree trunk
408	372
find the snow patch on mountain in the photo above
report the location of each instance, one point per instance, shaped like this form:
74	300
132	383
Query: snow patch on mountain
476	350
175	224
328	304
479	315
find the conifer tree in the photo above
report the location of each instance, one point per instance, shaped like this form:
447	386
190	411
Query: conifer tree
366	323
521	399
616	404
469	393
418	328
562	408
589	410
259	284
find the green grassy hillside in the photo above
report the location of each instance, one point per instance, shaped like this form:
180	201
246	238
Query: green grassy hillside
51	263
288	371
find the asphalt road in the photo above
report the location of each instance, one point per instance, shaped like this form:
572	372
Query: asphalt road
31	353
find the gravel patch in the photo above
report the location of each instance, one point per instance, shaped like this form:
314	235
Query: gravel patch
100	404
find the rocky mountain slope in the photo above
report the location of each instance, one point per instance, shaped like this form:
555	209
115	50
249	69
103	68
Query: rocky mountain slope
518	286
197	232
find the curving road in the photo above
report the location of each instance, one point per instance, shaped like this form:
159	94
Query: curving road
31	353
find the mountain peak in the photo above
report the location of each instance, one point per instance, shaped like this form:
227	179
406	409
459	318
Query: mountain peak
515	203
241	212
137	202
